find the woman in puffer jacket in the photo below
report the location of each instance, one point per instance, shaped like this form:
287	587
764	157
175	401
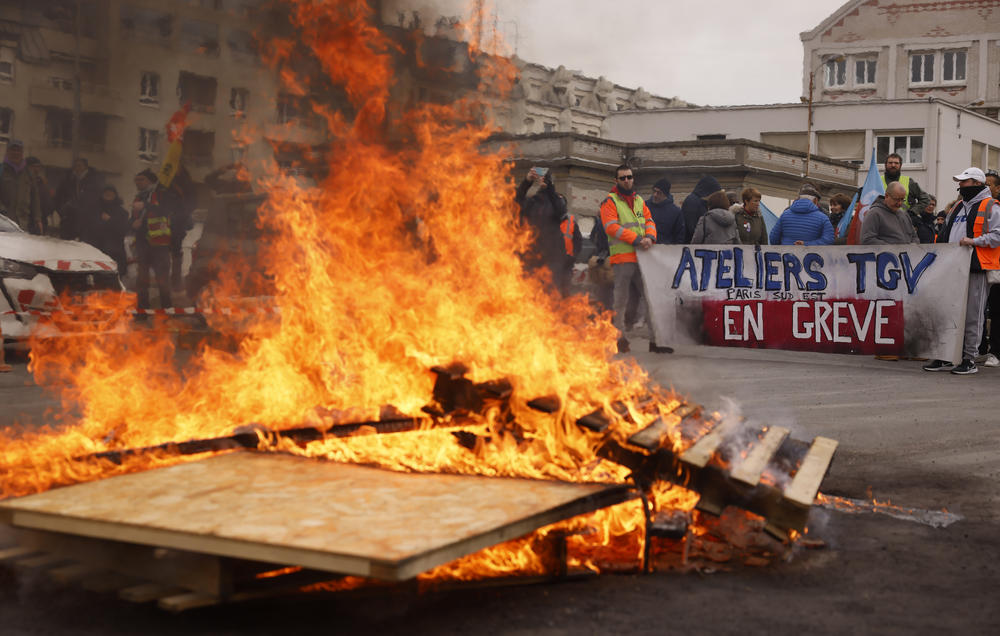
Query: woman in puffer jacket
718	225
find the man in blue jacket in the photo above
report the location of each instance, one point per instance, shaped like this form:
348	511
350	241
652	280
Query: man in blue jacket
666	215
803	223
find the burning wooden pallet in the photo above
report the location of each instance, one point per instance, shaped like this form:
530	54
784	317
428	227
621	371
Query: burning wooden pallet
242	525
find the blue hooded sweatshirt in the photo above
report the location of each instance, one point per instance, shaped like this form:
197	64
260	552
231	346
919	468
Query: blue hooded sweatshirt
805	222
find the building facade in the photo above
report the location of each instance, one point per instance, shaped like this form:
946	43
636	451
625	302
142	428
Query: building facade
877	50
936	138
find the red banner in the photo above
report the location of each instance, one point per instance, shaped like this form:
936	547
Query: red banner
831	326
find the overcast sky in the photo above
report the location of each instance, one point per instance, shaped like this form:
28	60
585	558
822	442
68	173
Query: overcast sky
710	53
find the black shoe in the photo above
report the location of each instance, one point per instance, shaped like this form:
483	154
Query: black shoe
623	346
939	365
968	367
654	348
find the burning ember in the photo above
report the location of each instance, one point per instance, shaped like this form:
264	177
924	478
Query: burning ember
402	260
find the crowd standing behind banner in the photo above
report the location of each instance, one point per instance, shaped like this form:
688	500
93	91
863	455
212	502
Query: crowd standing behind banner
905	214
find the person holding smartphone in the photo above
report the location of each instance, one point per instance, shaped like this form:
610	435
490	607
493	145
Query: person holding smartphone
545	211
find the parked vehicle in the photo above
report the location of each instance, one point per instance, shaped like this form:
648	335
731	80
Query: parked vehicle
36	271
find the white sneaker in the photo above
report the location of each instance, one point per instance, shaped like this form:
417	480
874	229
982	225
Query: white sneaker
991	361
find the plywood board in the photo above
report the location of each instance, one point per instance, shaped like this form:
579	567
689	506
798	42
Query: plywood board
288	510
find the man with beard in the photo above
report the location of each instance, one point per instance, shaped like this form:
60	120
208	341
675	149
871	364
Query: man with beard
544	209
629	225
916	198
973	221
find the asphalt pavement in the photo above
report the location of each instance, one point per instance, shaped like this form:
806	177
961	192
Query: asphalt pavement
927	441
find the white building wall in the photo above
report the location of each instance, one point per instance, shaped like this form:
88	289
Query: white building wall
948	130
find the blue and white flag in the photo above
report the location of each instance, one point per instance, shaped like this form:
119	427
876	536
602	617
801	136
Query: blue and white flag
872	189
770	218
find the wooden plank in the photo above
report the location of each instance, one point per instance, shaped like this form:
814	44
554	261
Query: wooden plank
106	582
73	572
320	515
146	592
702	451
183	602
196	572
15	553
805	484
42	561
650	437
748	472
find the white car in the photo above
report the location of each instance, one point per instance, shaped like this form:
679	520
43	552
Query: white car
36	270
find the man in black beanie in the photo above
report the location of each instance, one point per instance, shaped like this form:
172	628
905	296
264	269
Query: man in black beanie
670	229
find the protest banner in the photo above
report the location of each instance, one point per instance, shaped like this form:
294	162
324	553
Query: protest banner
871	299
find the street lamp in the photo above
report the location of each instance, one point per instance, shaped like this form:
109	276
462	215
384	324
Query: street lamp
809	124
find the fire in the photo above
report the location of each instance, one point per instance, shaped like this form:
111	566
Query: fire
405	256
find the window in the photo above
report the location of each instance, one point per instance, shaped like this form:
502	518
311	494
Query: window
864	72
149	142
6	65
238	99
146	24
59	128
953	66
198	149
238	153
200	36
149	89
910	147
710	137
549	127
835	72
6	124
288	108
921	68
198	90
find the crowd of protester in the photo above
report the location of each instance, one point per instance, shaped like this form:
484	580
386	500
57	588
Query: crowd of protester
83	208
905	213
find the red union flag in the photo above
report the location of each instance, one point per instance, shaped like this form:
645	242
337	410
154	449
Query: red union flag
852	325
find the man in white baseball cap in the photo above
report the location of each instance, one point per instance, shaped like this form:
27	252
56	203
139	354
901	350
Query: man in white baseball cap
974	221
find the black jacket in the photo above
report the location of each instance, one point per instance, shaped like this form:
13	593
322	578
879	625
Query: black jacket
694	206
669	220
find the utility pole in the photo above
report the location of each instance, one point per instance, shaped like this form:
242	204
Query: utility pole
76	86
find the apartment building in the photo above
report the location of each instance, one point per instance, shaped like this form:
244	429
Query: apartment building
139	61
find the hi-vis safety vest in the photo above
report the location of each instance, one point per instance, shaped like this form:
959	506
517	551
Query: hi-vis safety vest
157	227
905	182
989	257
629	219
567	226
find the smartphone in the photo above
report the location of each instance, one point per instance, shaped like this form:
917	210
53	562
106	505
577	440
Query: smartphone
541	172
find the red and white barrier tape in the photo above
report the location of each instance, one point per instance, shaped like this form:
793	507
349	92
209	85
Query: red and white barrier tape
169	311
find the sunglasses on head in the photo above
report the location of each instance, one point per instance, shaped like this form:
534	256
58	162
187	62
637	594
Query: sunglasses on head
992	173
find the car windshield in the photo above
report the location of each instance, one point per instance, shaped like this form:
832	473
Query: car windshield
6	225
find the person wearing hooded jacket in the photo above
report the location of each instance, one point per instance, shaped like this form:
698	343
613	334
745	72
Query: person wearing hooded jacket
543	209
694	206
718	225
973	221
667	216
803	223
112	226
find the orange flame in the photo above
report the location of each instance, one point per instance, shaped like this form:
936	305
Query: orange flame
405	256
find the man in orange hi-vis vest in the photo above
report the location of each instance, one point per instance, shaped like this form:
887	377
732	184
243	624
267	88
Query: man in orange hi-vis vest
629	225
973	221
